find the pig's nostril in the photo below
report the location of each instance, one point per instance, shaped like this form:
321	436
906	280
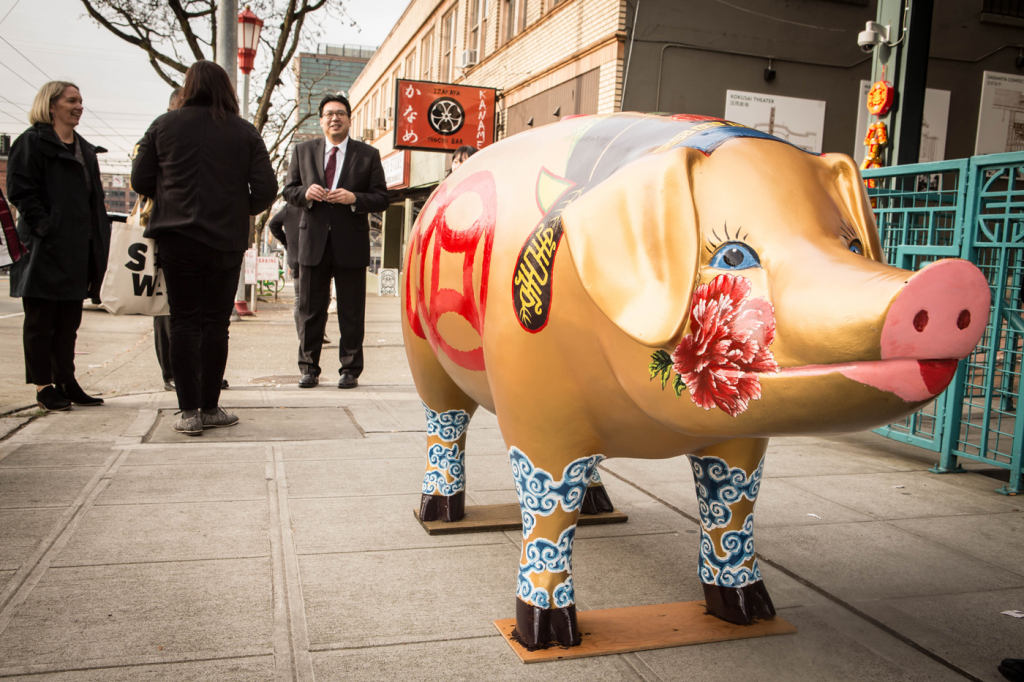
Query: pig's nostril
921	320
963	321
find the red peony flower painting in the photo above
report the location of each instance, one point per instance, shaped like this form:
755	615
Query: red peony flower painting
727	347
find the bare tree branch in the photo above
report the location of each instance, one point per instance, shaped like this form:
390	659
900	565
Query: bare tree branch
186	28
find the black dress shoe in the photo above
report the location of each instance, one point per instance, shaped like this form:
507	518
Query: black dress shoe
347	381
1012	669
73	392
308	381
223	384
169	385
49	399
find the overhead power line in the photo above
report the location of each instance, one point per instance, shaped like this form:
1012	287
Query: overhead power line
98	117
9	11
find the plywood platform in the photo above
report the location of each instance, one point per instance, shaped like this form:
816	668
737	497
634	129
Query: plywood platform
641	628
490	517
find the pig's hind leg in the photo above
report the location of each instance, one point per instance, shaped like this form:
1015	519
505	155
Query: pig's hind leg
596	500
448	410
728	477
550	504
444	481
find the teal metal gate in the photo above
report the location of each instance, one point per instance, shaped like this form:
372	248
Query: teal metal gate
971	209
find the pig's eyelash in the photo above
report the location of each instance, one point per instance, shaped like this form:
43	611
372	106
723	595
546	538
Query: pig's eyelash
713	244
848	231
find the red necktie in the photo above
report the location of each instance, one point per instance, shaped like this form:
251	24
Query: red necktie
332	164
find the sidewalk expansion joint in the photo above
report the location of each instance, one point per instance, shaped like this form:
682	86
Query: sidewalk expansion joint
292	660
820	590
45	669
337	646
18	588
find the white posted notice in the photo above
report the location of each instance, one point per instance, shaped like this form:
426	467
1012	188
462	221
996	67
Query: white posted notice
1001	120
798	121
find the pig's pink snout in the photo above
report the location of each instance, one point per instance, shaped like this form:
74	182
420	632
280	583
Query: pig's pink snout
940	314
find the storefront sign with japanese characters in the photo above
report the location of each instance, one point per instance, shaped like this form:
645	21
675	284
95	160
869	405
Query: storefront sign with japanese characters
442	116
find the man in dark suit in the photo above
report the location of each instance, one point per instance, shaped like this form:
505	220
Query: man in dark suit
336	182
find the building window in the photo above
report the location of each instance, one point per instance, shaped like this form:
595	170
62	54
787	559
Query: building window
514	18
373	113
1007	8
478	27
410	65
448	45
426	56
384	103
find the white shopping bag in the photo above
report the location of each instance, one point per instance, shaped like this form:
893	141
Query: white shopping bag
133	284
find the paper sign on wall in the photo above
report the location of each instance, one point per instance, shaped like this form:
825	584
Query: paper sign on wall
1001	119
800	122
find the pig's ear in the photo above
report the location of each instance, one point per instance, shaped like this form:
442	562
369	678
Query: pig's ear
845	178
635	239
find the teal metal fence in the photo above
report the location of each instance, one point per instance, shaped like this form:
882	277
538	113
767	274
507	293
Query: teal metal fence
971	209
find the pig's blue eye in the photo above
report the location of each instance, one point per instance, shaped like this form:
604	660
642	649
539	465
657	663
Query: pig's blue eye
856	247
735	256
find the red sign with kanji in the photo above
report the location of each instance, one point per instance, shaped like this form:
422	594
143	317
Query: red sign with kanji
442	116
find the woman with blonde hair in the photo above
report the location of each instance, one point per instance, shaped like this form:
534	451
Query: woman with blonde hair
53	178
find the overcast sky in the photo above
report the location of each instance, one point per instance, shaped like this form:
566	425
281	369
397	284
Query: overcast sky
122	93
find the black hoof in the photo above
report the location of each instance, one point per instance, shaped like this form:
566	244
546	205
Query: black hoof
441	508
740	605
538	628
596	501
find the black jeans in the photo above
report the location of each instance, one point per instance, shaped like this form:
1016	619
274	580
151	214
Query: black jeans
201	283
49	334
314	295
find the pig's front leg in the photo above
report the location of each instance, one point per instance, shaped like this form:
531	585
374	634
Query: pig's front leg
728	477
550	500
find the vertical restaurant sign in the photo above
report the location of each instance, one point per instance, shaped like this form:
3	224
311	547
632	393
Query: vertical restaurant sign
442	116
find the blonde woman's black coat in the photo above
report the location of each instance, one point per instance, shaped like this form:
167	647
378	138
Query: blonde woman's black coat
63	225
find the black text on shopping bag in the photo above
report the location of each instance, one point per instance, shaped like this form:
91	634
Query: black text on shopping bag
144	284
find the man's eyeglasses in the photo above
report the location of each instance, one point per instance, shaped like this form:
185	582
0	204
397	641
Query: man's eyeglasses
334	114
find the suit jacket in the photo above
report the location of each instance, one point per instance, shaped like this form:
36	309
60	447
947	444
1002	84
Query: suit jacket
363	175
285	228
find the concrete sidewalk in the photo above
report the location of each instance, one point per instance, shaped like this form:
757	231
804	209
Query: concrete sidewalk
285	548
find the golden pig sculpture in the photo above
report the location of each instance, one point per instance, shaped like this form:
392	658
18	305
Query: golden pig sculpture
645	286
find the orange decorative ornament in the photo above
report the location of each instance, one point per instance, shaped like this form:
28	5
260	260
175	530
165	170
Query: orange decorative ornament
880	98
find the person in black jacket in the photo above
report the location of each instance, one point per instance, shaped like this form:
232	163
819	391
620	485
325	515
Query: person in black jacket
207	170
336	182
53	178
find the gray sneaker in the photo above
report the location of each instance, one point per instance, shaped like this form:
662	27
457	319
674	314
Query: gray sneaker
218	418
191	424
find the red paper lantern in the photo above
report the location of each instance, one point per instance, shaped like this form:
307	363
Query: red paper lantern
249	27
880	97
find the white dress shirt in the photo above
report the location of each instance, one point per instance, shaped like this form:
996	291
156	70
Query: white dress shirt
339	160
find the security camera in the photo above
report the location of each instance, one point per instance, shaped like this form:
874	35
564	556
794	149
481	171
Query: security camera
873	34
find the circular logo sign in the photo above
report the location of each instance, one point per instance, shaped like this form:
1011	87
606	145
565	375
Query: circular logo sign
446	116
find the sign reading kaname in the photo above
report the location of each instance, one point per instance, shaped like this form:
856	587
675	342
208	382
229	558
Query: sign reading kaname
442	116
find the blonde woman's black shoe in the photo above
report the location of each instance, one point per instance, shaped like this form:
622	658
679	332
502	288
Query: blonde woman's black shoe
51	401
74	393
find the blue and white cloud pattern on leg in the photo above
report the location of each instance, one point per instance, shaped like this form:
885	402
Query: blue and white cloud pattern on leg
539	495
732	562
448	426
446	461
